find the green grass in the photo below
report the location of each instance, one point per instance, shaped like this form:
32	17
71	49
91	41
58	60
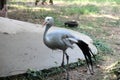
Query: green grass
75	1
98	1
43	74
86	9
102	47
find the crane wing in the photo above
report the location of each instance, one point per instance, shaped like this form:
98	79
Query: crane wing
87	54
68	40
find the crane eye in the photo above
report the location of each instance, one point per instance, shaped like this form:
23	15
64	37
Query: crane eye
48	19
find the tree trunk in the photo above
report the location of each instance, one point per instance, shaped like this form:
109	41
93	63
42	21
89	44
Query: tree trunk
2	3
3	8
36	1
51	2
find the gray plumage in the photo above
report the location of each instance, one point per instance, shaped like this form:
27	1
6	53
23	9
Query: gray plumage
63	39
58	39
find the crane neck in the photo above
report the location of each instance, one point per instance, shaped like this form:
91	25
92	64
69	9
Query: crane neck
46	29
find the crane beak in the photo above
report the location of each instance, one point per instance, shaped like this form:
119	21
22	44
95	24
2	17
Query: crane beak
44	23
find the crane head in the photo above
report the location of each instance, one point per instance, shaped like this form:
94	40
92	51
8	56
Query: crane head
48	21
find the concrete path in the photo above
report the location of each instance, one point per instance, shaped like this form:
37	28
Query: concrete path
22	48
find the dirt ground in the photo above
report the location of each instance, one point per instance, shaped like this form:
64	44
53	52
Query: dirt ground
105	65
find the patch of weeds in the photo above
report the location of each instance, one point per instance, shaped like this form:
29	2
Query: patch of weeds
82	29
98	1
103	1
44	74
98	58
15	77
89	9
102	47
86	9
76	64
115	9
115	23
41	14
116	70
59	22
116	1
109	22
100	21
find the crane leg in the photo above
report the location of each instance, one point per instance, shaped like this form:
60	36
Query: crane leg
62	64
67	57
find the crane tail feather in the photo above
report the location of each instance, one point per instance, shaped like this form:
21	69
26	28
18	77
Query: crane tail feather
87	54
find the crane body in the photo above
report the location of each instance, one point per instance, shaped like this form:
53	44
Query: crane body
62	40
